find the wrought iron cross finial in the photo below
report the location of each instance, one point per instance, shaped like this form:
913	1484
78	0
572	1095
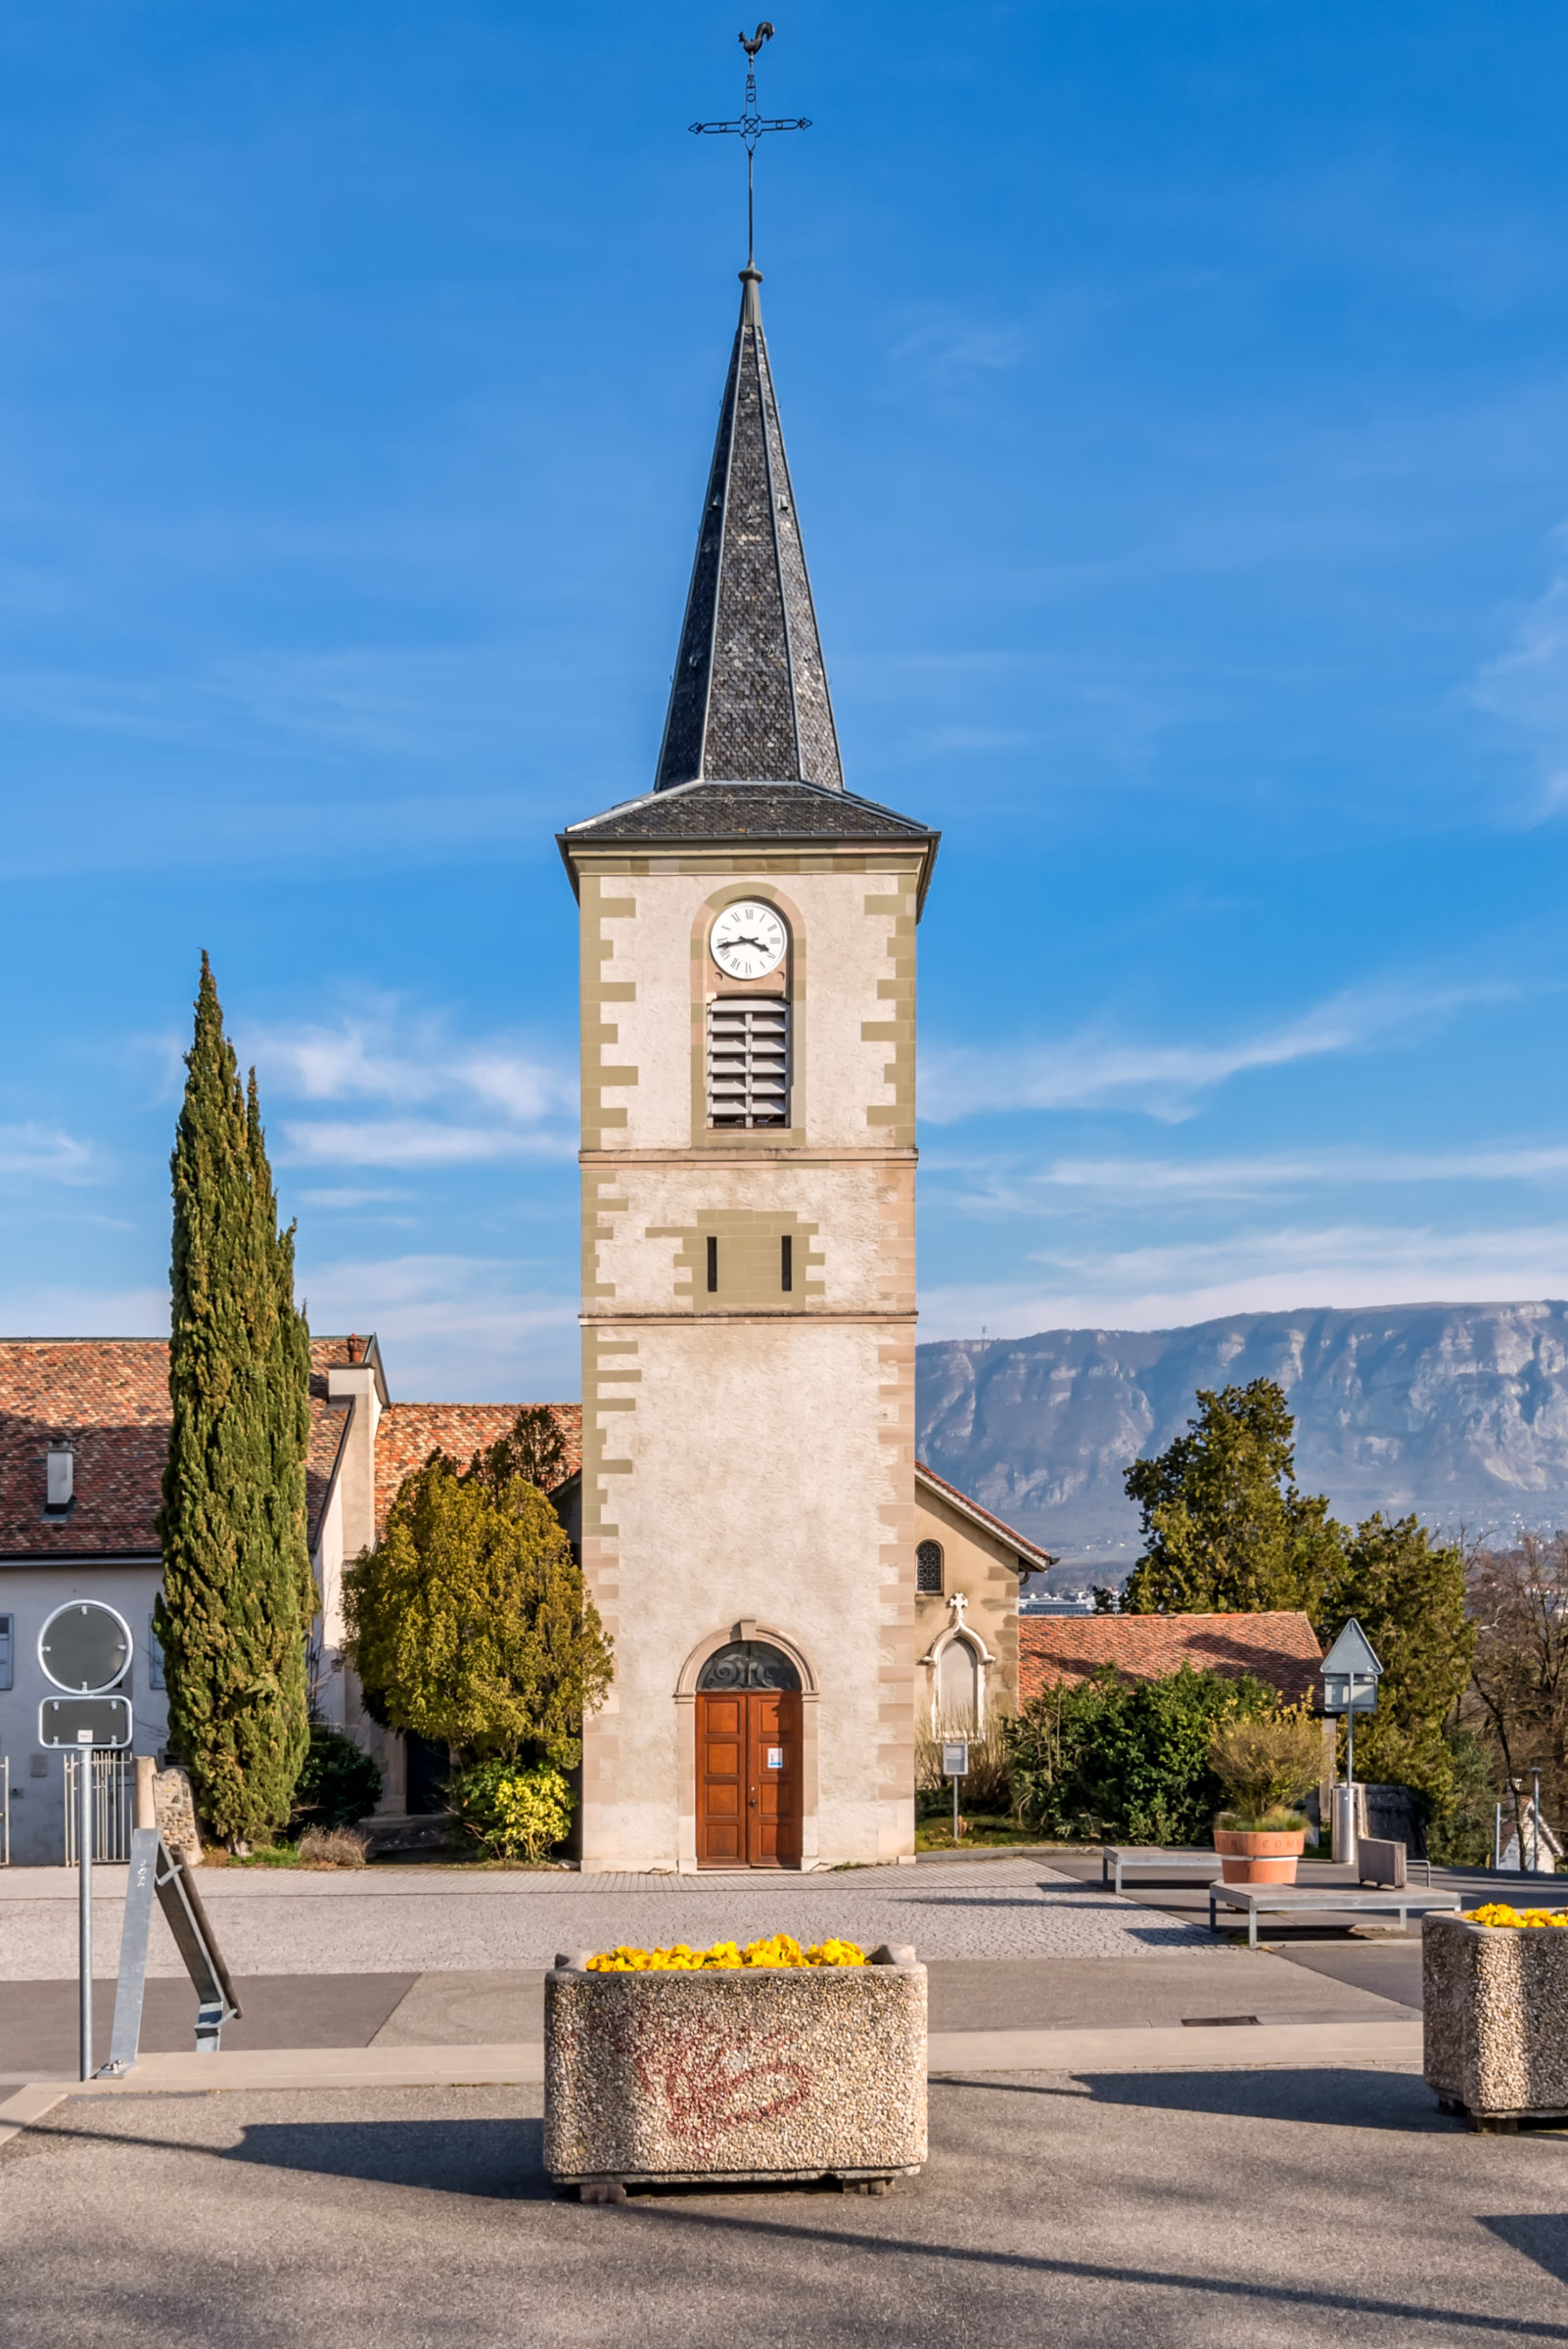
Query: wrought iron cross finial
751	126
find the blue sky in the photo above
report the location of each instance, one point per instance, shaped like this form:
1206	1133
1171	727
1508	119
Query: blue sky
1174	395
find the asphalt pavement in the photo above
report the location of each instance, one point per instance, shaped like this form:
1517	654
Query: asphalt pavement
1250	2210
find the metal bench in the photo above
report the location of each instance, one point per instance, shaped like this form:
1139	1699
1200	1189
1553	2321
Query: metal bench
1296	1900
1153	1861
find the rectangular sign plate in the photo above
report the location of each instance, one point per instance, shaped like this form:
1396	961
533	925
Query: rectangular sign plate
956	1760
77	1720
776	1757
1345	1693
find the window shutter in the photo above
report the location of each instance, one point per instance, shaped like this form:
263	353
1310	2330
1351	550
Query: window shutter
749	1061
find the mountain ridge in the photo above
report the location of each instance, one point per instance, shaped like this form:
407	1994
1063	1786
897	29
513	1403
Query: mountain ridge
1457	1412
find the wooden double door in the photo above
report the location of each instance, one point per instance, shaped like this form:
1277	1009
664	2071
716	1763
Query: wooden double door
748	1778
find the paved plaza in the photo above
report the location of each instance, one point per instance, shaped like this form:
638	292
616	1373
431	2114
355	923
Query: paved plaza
425	1919
1254	2208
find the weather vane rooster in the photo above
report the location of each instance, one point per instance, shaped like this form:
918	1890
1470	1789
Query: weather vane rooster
750	126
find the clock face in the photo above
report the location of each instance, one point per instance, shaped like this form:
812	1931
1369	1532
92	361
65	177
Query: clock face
748	940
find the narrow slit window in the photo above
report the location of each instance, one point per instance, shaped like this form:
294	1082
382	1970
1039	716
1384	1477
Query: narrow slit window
786	1262
712	1267
928	1567
6	1644
749	1061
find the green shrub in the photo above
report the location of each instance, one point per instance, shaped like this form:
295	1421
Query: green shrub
1128	1759
338	1786
514	1811
1461	1834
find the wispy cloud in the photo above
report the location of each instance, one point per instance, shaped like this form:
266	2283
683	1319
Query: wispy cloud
1263	1271
1167	1081
1004	1188
441	1101
478	1328
1527	686
47	1151
413	1143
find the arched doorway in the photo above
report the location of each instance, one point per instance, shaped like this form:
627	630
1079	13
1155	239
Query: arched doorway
749	1774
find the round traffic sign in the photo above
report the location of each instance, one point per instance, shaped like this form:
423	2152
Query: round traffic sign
85	1648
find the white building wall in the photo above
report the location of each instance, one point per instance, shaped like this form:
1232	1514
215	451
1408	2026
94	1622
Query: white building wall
748	1454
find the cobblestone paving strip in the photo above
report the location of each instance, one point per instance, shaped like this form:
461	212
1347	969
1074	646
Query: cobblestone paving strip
1008	1908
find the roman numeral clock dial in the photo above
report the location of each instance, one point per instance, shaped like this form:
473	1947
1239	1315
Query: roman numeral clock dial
748	940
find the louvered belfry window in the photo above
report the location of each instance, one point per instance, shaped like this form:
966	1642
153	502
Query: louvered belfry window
749	1061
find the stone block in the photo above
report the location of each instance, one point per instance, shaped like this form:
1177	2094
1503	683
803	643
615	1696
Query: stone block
787	2073
1495	2012
175	1814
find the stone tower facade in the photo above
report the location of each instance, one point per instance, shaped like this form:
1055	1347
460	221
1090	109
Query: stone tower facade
748	1000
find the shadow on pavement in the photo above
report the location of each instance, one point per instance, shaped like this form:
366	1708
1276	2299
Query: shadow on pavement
1263	2296
499	2161
1332	2097
1539	2235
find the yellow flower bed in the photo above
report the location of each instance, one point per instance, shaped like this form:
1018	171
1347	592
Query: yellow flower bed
1498	1912
780	1948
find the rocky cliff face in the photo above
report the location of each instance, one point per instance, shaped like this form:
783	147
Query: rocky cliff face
1456	1412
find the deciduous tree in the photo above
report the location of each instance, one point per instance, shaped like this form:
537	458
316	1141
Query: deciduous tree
1224	1528
1407	1594
469	1622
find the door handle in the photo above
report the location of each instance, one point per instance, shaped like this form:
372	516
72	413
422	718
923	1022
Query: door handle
753	1798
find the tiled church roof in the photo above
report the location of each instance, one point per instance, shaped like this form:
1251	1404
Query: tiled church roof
749	812
749	701
407	1433
1281	1649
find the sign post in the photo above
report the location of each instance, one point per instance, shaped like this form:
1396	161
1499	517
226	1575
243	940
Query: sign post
955	1765
85	1648
1350	1674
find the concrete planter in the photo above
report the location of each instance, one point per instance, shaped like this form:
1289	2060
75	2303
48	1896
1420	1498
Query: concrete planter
1494	2008
1249	1857
788	2073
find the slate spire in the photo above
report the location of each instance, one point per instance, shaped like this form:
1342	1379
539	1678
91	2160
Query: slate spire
749	701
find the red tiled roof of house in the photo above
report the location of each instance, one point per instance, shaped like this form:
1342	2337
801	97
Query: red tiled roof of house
1281	1649
1009	1534
109	1397
407	1433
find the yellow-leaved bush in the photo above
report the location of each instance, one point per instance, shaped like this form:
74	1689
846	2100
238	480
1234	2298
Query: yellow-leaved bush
1498	1912
780	1949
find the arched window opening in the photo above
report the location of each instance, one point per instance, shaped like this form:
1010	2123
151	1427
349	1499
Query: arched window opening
748	1664
958	1684
928	1567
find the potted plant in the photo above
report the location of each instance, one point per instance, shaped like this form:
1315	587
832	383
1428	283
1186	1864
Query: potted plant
1266	1766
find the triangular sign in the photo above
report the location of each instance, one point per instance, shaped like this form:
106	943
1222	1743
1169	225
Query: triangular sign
1351	1653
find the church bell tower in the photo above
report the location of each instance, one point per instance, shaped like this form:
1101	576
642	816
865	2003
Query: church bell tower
748	1002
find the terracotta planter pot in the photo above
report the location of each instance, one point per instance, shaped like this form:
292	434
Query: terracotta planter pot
1246	1858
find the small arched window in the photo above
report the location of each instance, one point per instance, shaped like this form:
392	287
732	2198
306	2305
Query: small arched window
928	1567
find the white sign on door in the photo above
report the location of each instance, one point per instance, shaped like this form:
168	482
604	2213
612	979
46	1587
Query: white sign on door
776	1757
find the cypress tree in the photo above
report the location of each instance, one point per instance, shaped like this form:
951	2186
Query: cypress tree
238	1594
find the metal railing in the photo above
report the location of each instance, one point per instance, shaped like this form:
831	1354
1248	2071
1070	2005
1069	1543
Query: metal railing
114	1806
